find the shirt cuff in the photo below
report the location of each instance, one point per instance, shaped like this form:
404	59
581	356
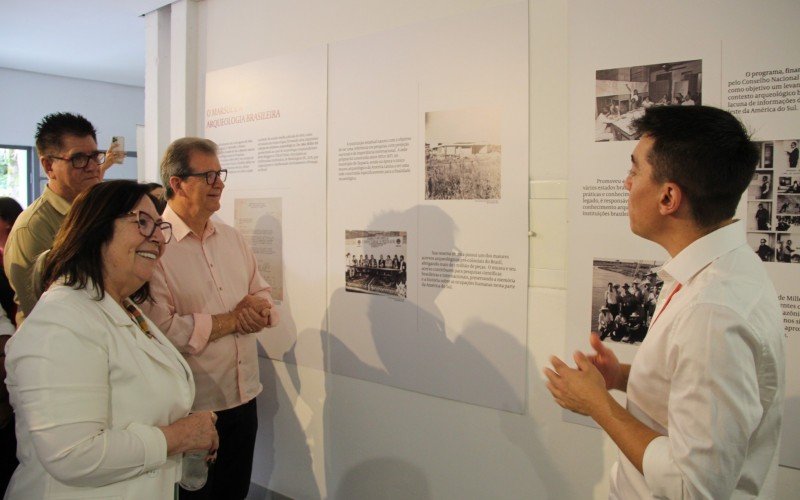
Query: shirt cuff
200	333
274	317
155	445
660	473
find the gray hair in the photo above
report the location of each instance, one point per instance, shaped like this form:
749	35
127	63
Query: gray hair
176	158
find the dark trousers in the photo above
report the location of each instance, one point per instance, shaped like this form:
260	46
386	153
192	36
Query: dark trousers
8	454
229	477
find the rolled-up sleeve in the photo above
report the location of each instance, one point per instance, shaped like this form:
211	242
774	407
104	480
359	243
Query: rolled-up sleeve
189	333
714	406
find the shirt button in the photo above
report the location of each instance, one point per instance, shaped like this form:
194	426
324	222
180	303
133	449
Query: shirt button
240	362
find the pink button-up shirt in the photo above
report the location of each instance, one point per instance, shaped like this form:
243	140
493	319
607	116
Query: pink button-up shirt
197	277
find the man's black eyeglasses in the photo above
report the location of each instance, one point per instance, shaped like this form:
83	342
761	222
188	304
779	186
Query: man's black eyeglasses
211	176
81	161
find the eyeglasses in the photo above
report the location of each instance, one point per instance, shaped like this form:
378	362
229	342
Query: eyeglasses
147	226
211	176
81	160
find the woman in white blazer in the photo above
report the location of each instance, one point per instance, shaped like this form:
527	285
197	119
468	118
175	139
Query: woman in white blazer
101	396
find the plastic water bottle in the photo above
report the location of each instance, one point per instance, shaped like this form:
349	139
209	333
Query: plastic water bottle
194	471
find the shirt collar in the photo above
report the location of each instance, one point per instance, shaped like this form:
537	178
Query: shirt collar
60	204
180	229
703	251
112	309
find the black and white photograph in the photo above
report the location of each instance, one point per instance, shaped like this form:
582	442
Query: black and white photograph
792	152
767	152
763	244
462	154
375	262
788	204
624	295
780	156
760	187
622	94
786	248
789	184
759	215
787	223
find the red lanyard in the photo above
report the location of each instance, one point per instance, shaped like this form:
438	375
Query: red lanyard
674	291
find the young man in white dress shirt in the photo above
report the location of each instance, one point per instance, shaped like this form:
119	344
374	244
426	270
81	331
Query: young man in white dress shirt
705	389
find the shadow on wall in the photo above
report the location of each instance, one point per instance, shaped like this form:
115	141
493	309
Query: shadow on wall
791	454
283	459
413	347
379	445
384	478
281	431
449	363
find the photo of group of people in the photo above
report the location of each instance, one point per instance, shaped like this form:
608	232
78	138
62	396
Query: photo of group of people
622	94
773	211
375	262
624	296
462	154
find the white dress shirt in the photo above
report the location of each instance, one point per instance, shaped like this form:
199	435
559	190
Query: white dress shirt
710	378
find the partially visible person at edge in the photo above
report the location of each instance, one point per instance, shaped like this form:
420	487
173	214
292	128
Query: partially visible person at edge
101	396
67	147
209	300
9	211
705	391
159	194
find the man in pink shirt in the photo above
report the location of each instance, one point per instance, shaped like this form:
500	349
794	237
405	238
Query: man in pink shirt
209	300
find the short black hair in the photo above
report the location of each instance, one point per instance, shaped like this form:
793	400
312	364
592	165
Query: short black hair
53	127
9	210
706	151
76	256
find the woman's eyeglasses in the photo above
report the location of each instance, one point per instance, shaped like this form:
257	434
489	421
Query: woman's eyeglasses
147	226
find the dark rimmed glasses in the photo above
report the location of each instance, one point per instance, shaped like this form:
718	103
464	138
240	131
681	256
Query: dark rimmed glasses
81	160
147	226
211	176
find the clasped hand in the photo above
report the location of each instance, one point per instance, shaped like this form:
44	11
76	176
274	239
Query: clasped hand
253	314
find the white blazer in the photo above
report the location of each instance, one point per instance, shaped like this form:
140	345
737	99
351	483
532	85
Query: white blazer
89	390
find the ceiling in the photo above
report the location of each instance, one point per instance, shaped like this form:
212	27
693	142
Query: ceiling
92	39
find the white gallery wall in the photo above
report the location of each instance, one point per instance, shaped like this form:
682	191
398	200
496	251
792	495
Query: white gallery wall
329	436
25	98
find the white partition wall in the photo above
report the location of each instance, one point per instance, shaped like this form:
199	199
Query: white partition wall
113	109
325	435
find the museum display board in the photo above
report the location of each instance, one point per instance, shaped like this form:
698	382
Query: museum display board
383	184
625	57
268	119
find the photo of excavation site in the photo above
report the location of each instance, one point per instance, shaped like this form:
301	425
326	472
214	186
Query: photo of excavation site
462	154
